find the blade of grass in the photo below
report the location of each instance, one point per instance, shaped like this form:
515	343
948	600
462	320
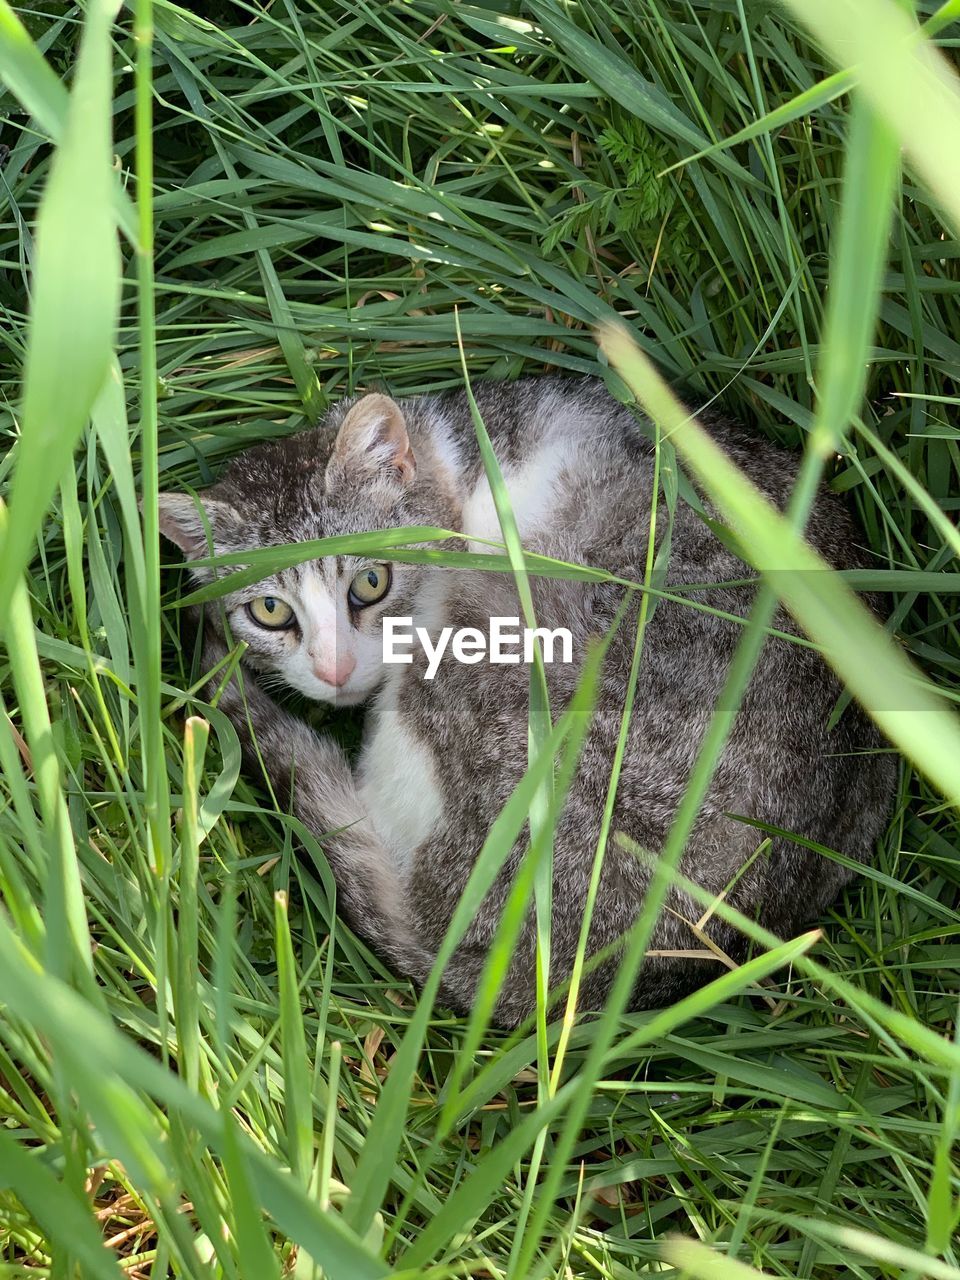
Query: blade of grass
67	950
29	76
76	298
146	638
907	81
692	1258
297	1098
186	1004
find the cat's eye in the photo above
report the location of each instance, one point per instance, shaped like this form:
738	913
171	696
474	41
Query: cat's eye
272	613
370	585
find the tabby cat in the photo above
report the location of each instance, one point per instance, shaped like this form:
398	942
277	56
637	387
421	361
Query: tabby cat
402	825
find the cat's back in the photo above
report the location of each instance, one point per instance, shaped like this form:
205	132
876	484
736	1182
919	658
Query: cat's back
528	413
595	456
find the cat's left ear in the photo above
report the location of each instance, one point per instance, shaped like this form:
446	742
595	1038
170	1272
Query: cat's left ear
373	439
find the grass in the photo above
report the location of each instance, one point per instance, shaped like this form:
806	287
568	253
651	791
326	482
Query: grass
199	1068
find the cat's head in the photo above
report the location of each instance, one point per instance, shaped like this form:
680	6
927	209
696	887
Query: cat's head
317	625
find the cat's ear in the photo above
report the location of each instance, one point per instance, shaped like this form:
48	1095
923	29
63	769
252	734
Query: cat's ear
373	439
182	521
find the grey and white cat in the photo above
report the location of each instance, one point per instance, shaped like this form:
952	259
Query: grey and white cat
401	827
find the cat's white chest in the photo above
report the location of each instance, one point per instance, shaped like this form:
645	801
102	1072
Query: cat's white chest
398	784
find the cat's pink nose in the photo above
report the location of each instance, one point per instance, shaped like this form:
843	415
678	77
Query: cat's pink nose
337	672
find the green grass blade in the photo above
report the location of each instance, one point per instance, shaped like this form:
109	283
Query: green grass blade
186	1003
67	938
76	297
28	75
908	83
297	1098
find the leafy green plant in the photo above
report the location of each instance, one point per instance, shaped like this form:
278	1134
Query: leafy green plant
641	204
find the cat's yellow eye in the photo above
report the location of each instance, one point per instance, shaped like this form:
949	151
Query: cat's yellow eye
370	585
270	612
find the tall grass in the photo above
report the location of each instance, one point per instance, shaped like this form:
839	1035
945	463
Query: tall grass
201	1071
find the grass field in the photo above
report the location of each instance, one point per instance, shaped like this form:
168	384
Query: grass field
199	1068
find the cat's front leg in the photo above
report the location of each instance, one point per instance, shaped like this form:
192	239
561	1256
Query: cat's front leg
311	776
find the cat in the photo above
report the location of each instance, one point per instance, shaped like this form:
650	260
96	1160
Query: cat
402	826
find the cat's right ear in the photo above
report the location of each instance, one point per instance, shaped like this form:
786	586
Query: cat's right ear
182	521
